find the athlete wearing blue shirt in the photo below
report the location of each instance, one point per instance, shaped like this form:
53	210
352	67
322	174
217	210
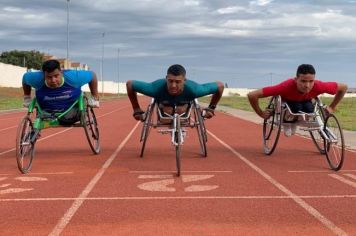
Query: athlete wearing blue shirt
174	90
57	90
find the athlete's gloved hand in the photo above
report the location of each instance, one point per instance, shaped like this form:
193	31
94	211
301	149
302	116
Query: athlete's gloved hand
93	102
26	100
139	114
208	113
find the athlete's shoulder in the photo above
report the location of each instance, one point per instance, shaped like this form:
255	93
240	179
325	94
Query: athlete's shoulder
33	75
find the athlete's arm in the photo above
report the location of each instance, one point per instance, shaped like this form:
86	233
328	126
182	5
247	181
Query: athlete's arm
93	86
253	98
341	90
132	94
216	96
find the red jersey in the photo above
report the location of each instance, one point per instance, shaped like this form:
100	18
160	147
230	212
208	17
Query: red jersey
289	92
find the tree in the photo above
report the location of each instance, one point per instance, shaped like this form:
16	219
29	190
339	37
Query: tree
30	59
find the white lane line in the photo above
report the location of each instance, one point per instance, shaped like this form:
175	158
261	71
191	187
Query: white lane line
317	171
186	171
62	223
39	173
351	176
174	198
342	179
311	210
11	127
13	149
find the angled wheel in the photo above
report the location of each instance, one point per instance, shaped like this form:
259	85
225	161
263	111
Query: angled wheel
318	140
272	125
201	130
178	142
90	126
25	145
146	127
334	145
317	137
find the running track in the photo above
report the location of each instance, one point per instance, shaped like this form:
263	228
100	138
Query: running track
235	191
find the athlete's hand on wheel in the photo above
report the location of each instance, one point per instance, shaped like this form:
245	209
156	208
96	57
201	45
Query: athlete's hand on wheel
208	113
26	100
139	114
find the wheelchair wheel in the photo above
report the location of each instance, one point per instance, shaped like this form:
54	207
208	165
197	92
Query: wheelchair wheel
90	125
25	146
334	145
272	125
201	131
146	127
318	139
177	135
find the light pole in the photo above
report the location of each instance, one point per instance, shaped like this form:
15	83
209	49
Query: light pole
118	72
102	65
68	31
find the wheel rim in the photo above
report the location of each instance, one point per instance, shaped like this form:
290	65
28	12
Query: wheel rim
272	127
335	145
201	132
24	145
91	130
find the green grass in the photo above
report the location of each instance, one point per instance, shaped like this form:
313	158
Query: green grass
346	109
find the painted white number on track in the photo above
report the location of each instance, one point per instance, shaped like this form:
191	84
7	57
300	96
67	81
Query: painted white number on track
165	181
4	186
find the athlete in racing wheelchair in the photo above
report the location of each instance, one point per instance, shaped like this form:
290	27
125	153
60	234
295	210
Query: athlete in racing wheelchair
295	103
174	101
58	102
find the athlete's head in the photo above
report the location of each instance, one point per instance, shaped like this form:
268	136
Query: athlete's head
175	79
305	78
52	73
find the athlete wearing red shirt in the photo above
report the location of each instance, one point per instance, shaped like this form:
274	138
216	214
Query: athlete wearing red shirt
298	92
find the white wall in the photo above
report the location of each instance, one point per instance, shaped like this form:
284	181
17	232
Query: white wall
11	76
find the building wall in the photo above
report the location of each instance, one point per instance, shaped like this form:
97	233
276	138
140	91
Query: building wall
11	76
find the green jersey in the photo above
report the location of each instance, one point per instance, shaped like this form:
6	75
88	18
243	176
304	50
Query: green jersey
158	90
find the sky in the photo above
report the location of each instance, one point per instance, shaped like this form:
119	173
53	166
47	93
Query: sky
245	44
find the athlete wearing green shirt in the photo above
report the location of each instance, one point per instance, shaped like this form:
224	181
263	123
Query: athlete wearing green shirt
175	89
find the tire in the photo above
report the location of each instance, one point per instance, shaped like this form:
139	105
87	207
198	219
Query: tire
272	126
318	140
334	146
201	131
317	137
178	141
25	145
90	125
147	124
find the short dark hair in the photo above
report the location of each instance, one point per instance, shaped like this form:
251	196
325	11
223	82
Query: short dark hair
176	70
305	69
50	65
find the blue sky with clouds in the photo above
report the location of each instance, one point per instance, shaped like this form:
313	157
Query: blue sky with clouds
242	43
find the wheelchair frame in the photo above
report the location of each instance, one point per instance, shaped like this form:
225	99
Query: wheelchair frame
176	127
324	129
29	130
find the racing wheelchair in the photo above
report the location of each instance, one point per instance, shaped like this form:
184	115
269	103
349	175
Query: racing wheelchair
174	124
36	119
324	129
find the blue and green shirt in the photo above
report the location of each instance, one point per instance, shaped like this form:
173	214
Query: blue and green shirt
61	98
